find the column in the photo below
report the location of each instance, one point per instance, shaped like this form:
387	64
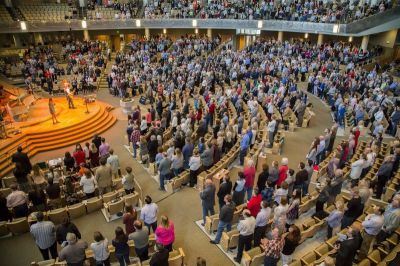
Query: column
209	33
147	33
235	42
320	39
86	36
364	42
38	38
17	40
280	36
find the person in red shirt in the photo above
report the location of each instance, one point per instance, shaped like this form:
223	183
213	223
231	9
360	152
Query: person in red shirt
79	155
129	218
254	204
283	170
211	111
148	117
199	115
357	133
249	173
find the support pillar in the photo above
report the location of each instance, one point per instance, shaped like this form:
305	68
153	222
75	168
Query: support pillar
38	38
320	39
209	33
235	42
147	33
364	42
17	40
280	36
86	36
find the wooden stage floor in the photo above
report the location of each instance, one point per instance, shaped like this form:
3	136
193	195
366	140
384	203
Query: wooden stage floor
38	133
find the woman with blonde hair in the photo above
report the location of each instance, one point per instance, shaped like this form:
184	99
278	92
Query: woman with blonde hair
94	155
37	177
177	162
52	110
165	233
334	220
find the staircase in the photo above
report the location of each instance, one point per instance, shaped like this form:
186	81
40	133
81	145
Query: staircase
103	85
15	13
36	141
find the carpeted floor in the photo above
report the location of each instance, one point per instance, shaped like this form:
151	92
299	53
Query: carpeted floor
183	207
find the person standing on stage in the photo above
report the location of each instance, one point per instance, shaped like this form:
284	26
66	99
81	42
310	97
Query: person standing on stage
69	93
52	110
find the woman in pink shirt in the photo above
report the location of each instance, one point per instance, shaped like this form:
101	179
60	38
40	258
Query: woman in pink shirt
283	170
249	173
148	118
165	233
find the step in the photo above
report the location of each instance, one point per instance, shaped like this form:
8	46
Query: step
53	140
30	137
79	138
39	141
58	131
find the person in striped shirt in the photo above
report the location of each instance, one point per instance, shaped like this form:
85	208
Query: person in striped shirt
44	234
135	139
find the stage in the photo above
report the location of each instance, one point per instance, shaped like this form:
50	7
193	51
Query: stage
38	133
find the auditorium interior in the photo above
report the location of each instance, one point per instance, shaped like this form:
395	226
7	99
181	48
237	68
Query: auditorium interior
265	132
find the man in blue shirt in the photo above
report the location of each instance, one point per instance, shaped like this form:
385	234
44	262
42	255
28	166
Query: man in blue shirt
244	146
371	225
187	152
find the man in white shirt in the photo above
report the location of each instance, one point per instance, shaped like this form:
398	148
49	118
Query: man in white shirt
356	169
113	161
149	213
261	222
246	229
271	131
371	227
128	181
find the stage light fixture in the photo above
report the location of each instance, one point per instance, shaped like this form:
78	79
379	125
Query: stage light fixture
194	23
138	23
84	24
23	25
259	24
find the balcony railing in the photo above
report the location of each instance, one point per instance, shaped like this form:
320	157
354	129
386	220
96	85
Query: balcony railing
267	25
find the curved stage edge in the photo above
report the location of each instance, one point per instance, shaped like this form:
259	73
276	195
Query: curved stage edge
38	133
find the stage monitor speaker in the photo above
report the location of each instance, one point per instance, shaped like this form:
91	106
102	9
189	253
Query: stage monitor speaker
143	100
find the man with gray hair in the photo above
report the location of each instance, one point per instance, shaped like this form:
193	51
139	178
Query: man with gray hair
74	252
165	170
207	197
44	234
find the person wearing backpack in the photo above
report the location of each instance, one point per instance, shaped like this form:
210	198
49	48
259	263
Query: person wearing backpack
268	192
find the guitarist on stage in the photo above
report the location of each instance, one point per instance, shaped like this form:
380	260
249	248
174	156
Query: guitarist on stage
69	94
